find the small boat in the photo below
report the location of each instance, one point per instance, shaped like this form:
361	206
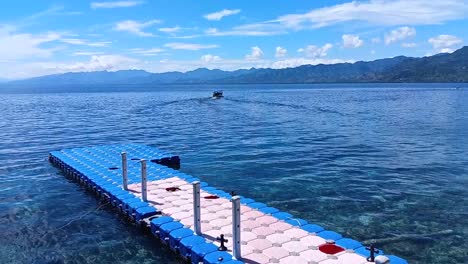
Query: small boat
217	94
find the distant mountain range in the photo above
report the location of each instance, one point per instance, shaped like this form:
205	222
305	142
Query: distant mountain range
445	67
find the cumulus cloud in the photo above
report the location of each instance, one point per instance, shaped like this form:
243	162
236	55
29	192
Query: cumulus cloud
115	4
399	34
352	41
100	63
256	53
19	52
117	62
208	58
220	14
281	52
18	70
295	62
135	27
18	46
313	51
445	43
189	46
235	64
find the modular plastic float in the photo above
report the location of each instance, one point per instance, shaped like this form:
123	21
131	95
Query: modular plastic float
196	220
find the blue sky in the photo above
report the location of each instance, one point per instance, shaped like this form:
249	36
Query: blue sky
47	37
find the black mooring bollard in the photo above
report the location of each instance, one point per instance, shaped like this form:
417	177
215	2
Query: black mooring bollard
222	240
373	251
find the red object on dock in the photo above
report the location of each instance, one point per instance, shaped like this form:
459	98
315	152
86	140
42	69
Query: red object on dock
330	249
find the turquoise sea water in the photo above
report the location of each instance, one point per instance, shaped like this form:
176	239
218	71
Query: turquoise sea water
366	162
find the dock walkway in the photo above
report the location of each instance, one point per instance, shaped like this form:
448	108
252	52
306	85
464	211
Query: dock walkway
165	204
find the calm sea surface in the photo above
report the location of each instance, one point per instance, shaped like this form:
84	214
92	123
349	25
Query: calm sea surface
366	162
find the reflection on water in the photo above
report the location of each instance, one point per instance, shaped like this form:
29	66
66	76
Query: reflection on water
387	164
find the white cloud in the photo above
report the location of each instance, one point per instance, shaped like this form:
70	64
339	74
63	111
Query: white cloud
220	14
445	43
170	29
212	31
295	62
373	12
352	41
255	54
188	65
19	70
186	37
18	46
208	58
313	51
100	63
281	52
245	30
189	46
399	34
136	27
74	41
118	62
87	53
148	52
380	12
115	4
235	64
56	10
409	45
19	52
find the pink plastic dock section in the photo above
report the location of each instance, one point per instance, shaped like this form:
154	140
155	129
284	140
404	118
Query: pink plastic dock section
264	238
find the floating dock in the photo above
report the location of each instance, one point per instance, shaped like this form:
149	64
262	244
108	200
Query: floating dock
201	223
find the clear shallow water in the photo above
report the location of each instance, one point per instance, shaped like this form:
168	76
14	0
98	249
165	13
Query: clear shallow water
368	163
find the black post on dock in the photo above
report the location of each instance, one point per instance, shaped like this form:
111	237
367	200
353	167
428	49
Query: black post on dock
373	251
222	247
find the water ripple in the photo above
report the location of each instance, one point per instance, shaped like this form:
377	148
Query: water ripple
369	163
